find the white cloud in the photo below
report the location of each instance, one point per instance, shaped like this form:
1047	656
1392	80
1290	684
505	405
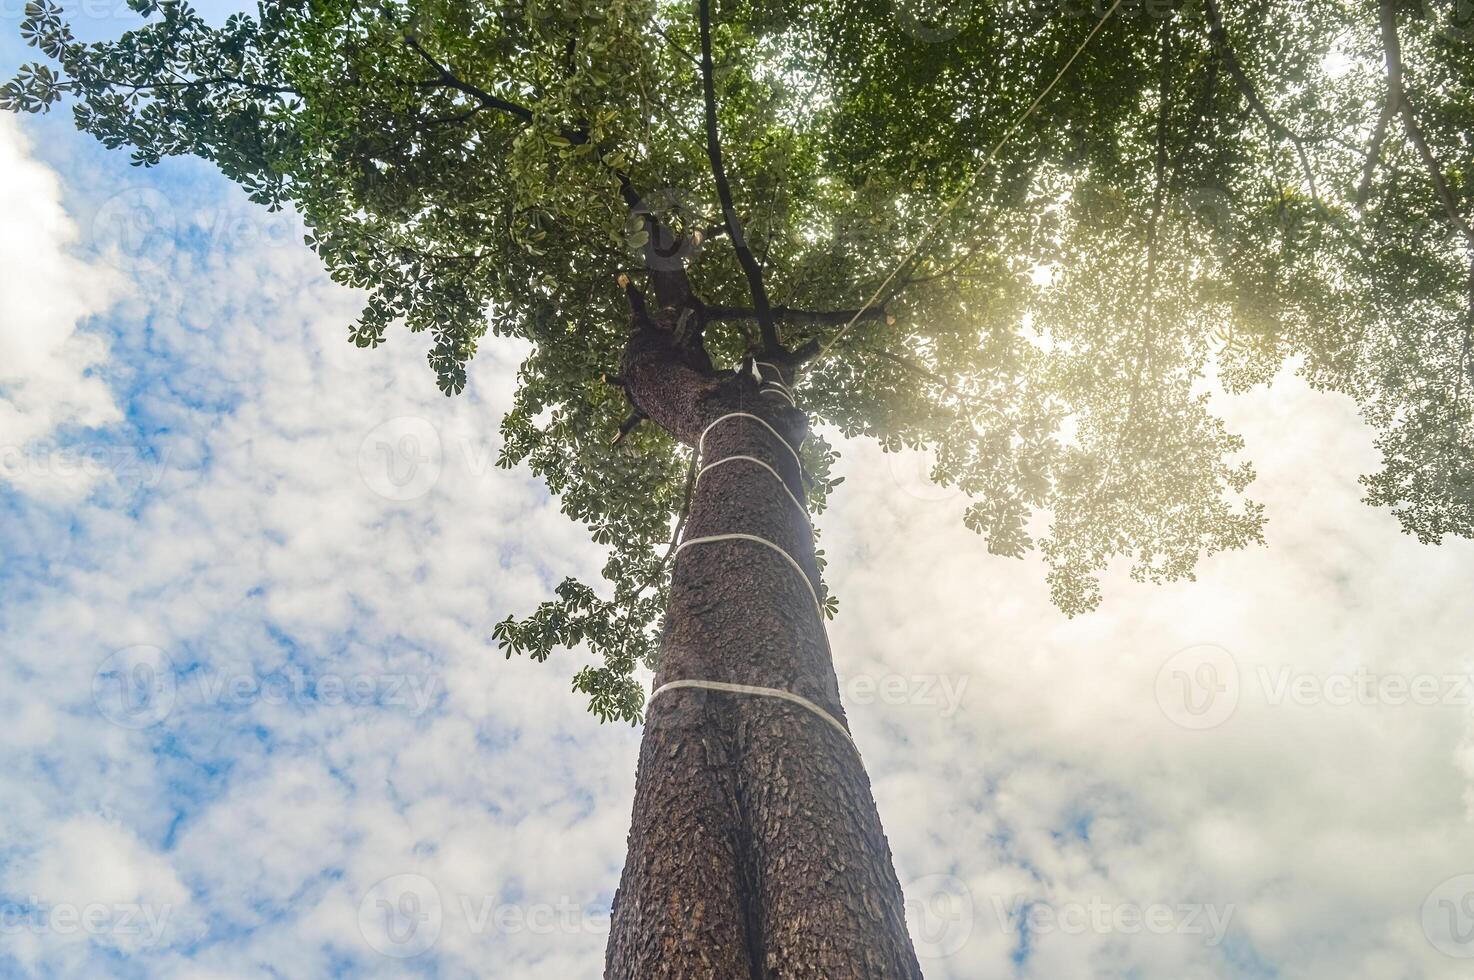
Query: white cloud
91	881
48	366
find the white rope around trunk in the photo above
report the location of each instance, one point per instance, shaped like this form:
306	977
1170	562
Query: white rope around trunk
765	692
714	538
701	442
752	459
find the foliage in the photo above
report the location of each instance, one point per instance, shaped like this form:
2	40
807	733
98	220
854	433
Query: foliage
1210	194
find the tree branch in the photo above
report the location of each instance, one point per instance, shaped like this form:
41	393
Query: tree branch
787	314
1219	36
1397	97
445	77
1374	151
917	369
675	538
745	257
627	426
258	87
667	272
675	45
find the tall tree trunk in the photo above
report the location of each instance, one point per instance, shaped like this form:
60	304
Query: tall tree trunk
756	850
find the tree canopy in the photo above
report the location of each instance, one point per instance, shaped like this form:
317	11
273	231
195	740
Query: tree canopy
1215	192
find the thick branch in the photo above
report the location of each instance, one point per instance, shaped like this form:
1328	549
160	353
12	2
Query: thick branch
1220	39
1397	96
745	257
667	271
627	426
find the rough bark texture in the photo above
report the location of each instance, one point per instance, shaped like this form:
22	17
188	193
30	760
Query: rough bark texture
756	850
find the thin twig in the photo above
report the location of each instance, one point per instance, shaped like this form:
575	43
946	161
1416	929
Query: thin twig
787	314
1219	36
917	369
444	76
675	537
672	42
987	161
1374	151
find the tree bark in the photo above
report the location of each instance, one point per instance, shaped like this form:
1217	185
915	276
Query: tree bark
755	849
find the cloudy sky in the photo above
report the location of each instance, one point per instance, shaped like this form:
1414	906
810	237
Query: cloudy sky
256	727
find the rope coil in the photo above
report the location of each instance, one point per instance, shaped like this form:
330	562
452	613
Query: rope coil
737	536
770	387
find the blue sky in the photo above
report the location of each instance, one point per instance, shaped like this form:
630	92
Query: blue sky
257	728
